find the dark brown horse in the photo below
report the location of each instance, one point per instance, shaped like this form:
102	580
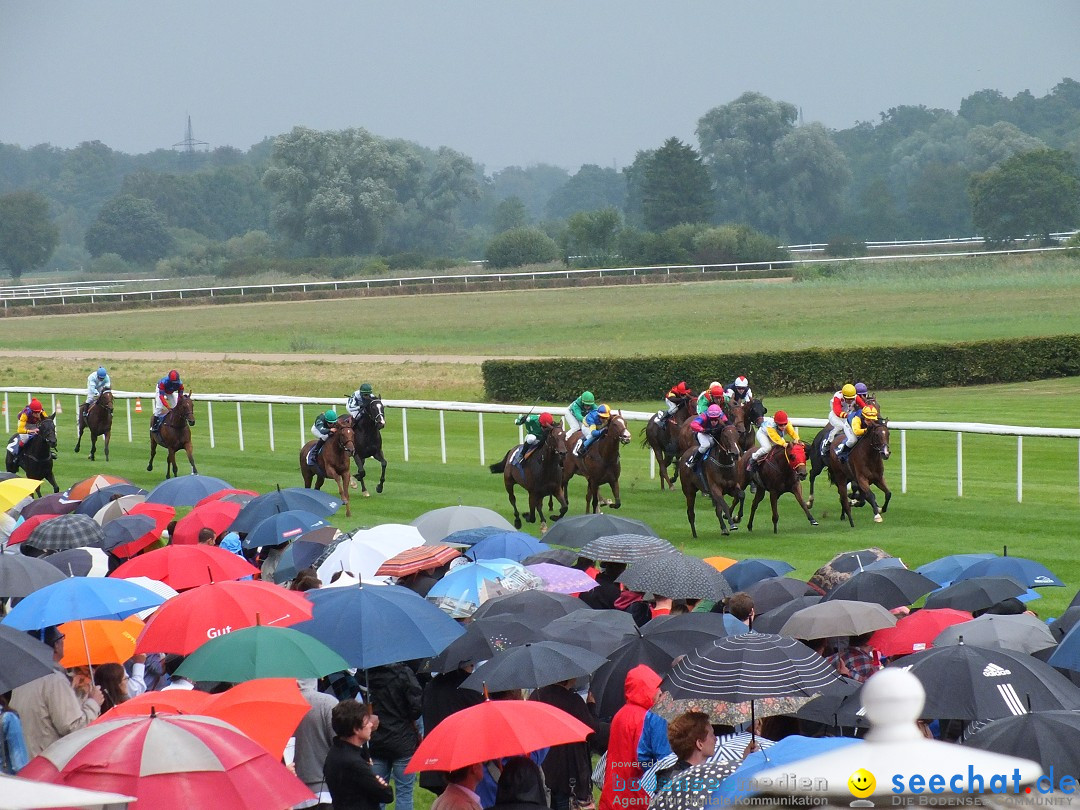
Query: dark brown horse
175	434
782	470
97	418
540	475
333	460
36	457
663	439
865	466
599	464
745	418
367	429
717	476
821	450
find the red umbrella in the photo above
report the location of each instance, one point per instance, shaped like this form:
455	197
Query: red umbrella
22	531
133	547
163	514
916	631
186	621
492	730
170	761
417	559
240	496
215	515
185	567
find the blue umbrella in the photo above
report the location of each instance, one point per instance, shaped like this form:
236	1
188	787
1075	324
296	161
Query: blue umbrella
739	786
305	551
884	562
1027	572
945	569
746	572
1067	653
459	592
186	490
92	503
284	500
378	624
514	546
78	598
125	529
282	527
470	537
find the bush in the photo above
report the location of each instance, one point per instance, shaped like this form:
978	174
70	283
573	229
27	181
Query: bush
845	246
405	261
731	244
520	246
109	265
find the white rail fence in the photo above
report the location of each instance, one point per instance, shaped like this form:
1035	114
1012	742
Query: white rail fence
442	407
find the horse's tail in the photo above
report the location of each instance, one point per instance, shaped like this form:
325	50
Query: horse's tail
645	436
498	467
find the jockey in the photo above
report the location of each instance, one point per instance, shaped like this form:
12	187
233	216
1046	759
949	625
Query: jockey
323	429
97	382
844	402
861	421
359	400
594	424
678	394
706	427
537	428
29	419
169	390
579	408
713	395
739	391
774	431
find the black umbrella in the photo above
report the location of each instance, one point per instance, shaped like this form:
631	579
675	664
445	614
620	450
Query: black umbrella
744	573
283	500
125	529
80	562
483	638
1065	622
975	594
773	592
21	575
305	551
625	548
92	503
840	568
533	665
533	608
838	706
680	633
56	504
599	631
773	620
22	659
1050	738
677	576
555	556
576	531
889	587
64	532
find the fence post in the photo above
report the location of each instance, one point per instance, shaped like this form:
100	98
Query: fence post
127	402
303	434
7	414
480	419
405	431
240	426
903	461
270	414
652	465
210	421
442	434
959	465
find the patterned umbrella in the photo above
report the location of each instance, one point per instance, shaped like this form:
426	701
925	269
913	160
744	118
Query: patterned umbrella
22	531
745	573
890	588
730	747
422	558
690	789
465	588
576	531
93	484
677	576
625	548
562	579
839	618
21	575
842	566
64	532
481	640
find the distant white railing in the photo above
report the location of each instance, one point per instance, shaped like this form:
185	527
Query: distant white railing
479	408
818	247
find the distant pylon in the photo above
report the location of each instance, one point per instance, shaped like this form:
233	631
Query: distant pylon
189	143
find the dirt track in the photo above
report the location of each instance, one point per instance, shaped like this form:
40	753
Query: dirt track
212	357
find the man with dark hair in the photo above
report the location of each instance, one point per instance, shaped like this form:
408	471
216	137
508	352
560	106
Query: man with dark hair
352	783
460	793
206	536
568	767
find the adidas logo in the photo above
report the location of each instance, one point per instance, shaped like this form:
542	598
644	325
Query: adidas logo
994	671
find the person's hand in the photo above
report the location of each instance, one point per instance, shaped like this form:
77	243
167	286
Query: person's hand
381	781
140	658
751	747
97	695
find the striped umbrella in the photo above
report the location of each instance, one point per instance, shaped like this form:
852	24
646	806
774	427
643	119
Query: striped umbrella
421	558
625	548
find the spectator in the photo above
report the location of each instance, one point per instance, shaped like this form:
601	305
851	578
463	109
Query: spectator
397	693
858	661
13	756
622	787
739	605
112	680
692	740
314	736
568	768
460	792
206	536
349	778
306	580
521	786
171	663
442	697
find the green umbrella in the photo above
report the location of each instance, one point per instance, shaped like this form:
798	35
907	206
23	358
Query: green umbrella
261	652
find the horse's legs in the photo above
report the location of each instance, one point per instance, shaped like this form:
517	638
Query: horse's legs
758	496
382	474
78	440
813	475
845	504
108	435
888	492
691	497
868	493
797	492
343	489
614	493
170	463
508	482
536	507
564	503
153	451
720	507
190	458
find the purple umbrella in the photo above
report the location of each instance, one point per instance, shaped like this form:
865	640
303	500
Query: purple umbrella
561	579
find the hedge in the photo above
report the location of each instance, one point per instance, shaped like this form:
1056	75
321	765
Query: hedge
788	372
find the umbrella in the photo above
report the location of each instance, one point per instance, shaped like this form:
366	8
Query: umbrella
23	530
99	641
64	532
1029	573
129	534
80	598
281	528
735	791
21	575
304	551
414	560
1050	738
601	631
466	587
80	562
1022	633
481	640
470	537
92	484
842	566
916	631
890	588
625	548
117	508
261	652
56	504
533	665
99	499
532	607
1065	622
1067	654
576	531
492	730
745	573
13	490
184	567
773	620
186	490
26	793
975	594
677	576
284	500
721	563
237	496
163	514
512	545
371	626
436	524
188	620
772	592
352	556
838	618
22	659
160	588
561	579
946	569
170	761
690	789
555	556
837	707
215	516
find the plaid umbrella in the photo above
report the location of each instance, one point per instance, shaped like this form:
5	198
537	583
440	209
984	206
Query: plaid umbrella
421	558
842	566
626	548
533	665
975	594
80	562
562	579
22	531
775	591
745	573
21	575
64	532
839	618
890	588
576	531
677	576
55	504
1022	633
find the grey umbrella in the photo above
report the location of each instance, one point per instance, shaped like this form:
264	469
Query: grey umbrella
625	548
533	608
21	575
1051	738
64	532
80	562
772	620
1022	633
839	618
438	523
975	594
531	666
676	576
600	631
576	531
22	659
1065	622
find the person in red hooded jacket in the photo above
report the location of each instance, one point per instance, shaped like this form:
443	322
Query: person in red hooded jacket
621	779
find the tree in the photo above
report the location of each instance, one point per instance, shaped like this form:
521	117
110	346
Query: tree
28	236
592	234
130	227
591	189
521	246
509	214
1030	194
676	187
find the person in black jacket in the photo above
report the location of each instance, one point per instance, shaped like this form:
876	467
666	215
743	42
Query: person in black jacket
442	697
521	786
394	690
352	783
568	768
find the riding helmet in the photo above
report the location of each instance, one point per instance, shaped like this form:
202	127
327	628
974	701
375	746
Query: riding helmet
861	389
102	373
716	390
330	415
546	420
35	406
870	412
742	383
848	391
714	412
174	376
588	399
604	412
780	418
365	388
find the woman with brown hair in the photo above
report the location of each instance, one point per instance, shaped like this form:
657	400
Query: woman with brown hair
113	682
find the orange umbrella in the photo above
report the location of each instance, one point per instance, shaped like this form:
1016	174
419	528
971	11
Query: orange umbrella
92	484
720	563
214	515
106	641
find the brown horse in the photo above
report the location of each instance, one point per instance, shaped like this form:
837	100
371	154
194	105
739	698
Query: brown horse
540	475
865	466
664	440
782	470
821	450
175	434
333	460
717	477
745	418
600	463
97	417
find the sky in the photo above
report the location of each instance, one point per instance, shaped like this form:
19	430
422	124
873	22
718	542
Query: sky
507	82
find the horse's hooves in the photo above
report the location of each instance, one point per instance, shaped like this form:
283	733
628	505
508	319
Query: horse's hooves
517	523
352	484
734	527
813	523
615	505
149	467
878	519
378	488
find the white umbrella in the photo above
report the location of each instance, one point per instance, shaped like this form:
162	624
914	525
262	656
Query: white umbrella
24	794
117	507
393	538
354	557
160	588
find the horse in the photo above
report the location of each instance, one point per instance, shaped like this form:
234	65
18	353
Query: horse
664	441
334	458
820	451
98	419
174	434
865	466
367	428
540	475
600	463
36	457
782	470
718	477
745	417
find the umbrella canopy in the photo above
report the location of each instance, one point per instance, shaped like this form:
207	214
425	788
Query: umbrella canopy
534	608
80	562
773	620
117	508
533	665
22	659
284	500
946	569
745	573
481	640
129	534
56	504
23	530
99	641
721	563
436	524
414	560
576	531
261	652
371	626
278	529
1022	633
237	496
25	794
21	575
215	516
1051	738
1061	626
80	598
186	490
170	761
64	532
13	490
772	592
555	556
90	485
511	545
890	587
837	618
470	537
625	548
842	566
601	631
561	579
677	576
305	551
163	514
98	499
916	631
492	730
690	789
186	621
160	588
1067	654
185	567
465	588
353	556
1029	573
975	594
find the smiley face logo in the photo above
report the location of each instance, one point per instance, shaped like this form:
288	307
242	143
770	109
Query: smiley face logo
861	783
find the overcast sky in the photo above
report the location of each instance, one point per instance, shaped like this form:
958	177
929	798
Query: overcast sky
507	82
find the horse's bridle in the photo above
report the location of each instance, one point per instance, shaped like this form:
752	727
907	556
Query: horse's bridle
879	447
25	452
